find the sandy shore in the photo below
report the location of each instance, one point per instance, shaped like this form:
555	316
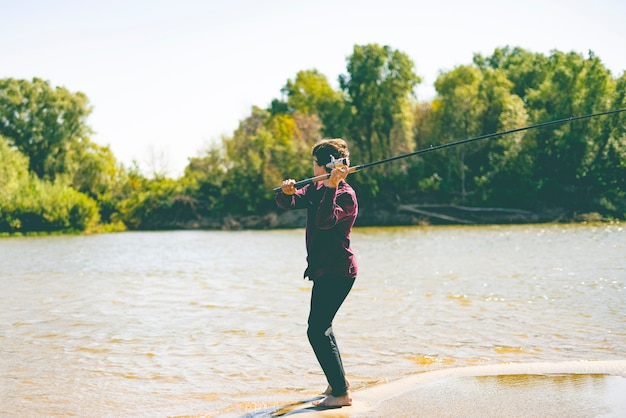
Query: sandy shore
567	389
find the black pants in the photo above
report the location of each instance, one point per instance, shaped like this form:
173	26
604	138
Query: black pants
326	297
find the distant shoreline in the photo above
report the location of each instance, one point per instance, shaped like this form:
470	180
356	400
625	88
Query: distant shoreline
390	216
401	215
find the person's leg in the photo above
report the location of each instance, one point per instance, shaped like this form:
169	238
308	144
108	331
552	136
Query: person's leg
326	298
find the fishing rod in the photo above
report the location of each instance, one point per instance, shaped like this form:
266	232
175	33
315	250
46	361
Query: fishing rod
353	169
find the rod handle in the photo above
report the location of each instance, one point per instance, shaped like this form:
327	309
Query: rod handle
300	184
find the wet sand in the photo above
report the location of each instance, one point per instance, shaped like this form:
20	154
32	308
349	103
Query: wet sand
571	389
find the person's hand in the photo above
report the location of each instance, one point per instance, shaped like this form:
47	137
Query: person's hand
336	175
288	187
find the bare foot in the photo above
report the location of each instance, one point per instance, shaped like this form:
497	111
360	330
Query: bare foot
333	401
329	389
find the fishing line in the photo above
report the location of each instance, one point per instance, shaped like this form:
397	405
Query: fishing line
353	169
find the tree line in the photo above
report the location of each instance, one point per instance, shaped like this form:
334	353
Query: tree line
55	178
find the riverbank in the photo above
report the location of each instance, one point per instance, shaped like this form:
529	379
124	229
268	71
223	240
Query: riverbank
572	389
189	214
395	215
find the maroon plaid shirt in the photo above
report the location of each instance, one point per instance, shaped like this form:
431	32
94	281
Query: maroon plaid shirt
330	216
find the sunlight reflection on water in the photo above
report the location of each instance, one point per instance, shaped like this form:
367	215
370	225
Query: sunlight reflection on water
180	323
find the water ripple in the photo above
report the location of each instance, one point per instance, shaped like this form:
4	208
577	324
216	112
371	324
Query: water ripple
182	323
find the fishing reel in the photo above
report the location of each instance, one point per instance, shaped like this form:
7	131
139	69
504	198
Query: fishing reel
339	162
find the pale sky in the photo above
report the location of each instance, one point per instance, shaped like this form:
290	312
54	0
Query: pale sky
168	78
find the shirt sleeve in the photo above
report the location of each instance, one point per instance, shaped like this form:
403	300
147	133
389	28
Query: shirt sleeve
294	201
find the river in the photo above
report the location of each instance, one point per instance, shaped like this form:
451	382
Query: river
207	322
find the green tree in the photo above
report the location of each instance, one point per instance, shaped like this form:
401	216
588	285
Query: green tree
29	204
609	166
204	179
525	69
563	155
379	87
457	117
13	175
423	124
44	123
152	204
98	174
237	176
474	101
311	94
501	110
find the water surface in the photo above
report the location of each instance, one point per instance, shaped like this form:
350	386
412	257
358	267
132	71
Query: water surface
202	322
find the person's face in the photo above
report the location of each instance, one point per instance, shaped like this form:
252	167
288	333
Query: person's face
318	170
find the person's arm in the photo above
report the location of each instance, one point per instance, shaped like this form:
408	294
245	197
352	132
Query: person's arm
289	197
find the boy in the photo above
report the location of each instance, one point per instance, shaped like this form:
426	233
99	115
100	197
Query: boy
332	208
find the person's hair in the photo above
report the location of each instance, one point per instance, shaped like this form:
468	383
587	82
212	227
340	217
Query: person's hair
323	149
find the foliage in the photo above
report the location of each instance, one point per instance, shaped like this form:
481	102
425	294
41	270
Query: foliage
239	176
471	102
311	94
54	178
379	84
47	128
44	123
29	204
151	204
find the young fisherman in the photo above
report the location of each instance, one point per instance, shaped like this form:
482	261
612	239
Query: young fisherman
332	208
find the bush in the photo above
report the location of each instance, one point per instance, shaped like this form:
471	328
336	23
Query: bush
40	206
